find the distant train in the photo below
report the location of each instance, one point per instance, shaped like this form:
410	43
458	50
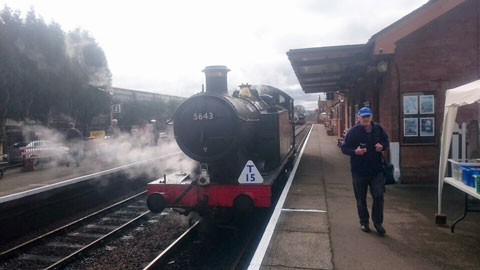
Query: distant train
242	143
299	115
300	119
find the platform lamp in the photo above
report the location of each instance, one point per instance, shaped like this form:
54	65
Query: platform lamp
382	66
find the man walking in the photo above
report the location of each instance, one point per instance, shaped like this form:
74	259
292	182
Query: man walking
74	140
114	131
364	144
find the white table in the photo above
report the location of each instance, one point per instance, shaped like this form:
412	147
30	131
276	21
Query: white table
468	191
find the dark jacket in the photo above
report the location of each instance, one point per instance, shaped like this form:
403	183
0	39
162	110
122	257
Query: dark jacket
73	134
369	163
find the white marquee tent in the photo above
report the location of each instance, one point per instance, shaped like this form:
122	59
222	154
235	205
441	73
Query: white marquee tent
456	97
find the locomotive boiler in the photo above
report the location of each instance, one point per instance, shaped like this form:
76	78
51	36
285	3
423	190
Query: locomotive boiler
242	142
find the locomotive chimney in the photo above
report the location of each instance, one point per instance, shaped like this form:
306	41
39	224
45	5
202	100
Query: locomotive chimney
216	78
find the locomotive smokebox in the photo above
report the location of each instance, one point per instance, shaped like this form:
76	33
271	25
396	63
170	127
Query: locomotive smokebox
216	79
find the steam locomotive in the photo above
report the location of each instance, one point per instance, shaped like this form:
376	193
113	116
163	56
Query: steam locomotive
242	143
299	114
300	119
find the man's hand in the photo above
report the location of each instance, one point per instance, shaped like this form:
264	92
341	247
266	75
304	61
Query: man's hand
360	151
378	147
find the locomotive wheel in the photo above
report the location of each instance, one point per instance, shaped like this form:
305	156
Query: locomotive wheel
156	202
243	203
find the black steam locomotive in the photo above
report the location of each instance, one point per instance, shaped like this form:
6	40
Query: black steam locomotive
242	143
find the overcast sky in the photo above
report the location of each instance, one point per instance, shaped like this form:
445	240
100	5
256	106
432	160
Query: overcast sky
162	46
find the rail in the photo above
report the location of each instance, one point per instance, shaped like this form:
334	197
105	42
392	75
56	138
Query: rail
155	263
15	255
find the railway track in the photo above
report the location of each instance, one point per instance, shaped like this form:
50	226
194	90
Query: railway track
232	246
299	129
174	246
65	247
60	246
243	236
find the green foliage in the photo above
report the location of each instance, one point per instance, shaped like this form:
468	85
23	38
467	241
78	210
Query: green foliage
45	72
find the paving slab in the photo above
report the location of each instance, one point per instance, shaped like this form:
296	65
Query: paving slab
300	201
307	189
303	222
300	250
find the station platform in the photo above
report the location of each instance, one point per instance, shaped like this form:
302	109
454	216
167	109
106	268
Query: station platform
16	181
317	226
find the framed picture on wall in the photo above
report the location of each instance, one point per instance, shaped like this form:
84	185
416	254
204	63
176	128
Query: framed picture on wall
427	106
410	105
410	127
427	126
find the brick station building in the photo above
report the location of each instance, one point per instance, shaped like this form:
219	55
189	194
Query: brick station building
402	73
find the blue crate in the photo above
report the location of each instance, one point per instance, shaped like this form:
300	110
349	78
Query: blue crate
468	175
457	166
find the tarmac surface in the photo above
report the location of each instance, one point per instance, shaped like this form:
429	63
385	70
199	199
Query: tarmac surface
307	238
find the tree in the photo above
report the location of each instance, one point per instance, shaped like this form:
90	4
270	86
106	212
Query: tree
45	72
10	27
91	77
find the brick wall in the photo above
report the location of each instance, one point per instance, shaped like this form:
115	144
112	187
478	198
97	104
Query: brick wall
441	55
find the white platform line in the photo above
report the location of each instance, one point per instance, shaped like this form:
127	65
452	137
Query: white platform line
22	194
304	210
257	259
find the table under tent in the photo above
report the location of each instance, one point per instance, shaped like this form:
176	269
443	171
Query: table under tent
455	98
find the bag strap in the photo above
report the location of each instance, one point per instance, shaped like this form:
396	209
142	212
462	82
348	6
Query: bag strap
383	158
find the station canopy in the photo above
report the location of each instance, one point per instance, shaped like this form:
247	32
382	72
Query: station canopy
327	69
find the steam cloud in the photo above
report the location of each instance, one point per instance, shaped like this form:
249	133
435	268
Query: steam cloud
102	154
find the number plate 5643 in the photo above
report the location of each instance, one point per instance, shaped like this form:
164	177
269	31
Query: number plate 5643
203	116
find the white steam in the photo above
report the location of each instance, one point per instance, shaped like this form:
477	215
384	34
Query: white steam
98	76
102	154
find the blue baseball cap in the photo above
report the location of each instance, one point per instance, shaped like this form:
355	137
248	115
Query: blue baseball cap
364	111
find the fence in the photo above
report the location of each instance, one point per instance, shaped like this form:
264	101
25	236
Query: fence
458	149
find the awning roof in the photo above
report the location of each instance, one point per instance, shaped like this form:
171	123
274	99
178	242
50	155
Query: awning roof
327	69
460	96
463	95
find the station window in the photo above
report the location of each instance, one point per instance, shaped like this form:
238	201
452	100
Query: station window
418	117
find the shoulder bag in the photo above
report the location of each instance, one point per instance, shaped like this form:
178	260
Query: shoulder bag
387	171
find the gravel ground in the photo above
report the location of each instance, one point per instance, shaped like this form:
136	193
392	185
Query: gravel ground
138	247
218	246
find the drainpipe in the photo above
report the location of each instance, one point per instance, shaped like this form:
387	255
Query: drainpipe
395	146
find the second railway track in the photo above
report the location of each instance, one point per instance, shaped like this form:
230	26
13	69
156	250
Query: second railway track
90	242
60	246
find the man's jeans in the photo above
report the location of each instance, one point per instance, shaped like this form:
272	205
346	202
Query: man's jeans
377	188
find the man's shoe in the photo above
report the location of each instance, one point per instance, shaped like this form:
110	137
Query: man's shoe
365	228
380	230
